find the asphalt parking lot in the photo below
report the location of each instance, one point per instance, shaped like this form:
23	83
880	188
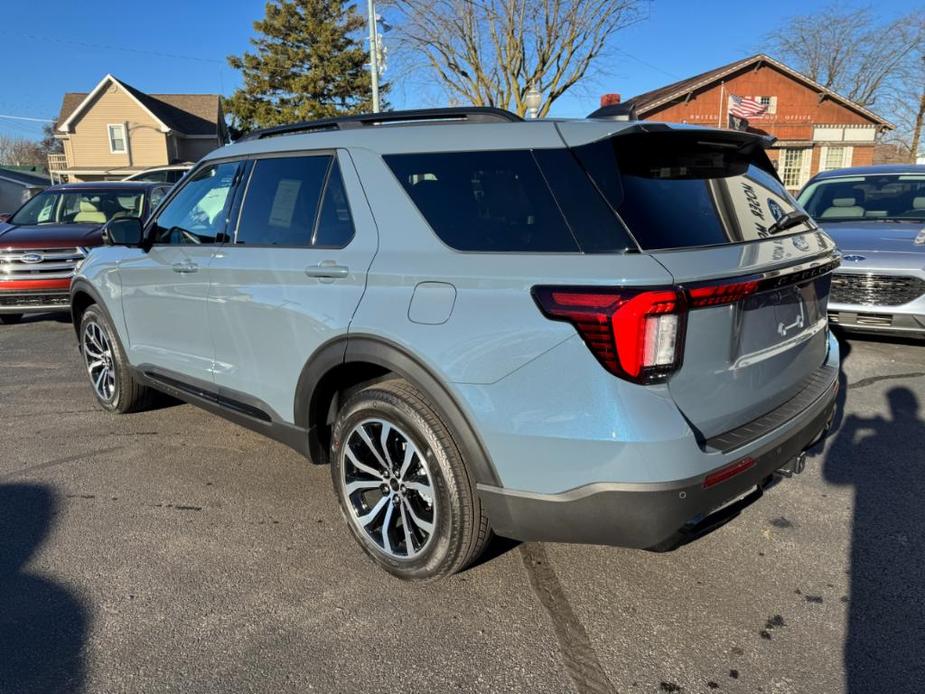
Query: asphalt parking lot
172	551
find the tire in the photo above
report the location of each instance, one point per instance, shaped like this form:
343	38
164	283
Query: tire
110	375
429	486
10	318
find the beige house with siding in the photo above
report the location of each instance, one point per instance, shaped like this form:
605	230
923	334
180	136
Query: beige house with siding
117	130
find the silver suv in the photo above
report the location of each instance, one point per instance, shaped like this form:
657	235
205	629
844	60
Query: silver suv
575	331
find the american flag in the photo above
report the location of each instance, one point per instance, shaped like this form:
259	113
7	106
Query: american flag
745	107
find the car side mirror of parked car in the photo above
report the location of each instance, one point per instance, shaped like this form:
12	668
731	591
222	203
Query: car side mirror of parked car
125	231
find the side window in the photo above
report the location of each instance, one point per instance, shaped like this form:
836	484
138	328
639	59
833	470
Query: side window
594	224
173	175
70	206
281	203
335	223
156	195
495	201
197	212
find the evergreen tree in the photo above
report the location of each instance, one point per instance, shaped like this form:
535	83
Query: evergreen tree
307	64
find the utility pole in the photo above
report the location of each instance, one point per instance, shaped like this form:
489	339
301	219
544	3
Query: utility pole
374	54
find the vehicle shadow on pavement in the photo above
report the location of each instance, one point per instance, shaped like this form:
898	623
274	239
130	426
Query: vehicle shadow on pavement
42	624
883	458
57	317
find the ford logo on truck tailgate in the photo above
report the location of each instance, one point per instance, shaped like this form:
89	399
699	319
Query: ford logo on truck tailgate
32	258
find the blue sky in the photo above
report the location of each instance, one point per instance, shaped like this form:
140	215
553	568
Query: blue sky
180	46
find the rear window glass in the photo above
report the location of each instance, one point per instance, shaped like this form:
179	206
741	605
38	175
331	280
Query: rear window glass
678	190
485	201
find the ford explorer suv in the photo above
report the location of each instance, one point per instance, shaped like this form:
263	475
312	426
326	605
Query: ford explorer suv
876	216
576	331
42	242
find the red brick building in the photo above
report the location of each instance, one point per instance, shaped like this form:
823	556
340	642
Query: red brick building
816	129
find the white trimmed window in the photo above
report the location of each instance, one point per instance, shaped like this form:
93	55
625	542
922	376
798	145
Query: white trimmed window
791	168
770	102
831	158
116	138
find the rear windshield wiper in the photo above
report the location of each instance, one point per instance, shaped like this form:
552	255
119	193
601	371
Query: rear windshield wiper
788	221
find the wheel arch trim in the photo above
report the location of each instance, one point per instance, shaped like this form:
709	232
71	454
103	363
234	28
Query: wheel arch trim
82	286
370	349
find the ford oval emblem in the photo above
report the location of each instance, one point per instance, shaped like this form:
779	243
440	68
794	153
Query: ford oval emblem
775	209
32	258
800	243
853	258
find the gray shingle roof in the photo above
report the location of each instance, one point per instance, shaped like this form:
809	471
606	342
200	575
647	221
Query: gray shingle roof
28	179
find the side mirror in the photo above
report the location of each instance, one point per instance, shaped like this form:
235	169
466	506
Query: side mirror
125	231
5	217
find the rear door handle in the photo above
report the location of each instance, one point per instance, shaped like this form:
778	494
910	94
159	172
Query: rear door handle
185	267
328	270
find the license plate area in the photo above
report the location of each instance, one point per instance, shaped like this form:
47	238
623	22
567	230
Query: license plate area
781	316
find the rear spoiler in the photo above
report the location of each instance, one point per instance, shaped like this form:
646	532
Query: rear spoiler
740	139
749	144
719	136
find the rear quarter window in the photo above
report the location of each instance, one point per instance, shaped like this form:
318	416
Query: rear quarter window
493	201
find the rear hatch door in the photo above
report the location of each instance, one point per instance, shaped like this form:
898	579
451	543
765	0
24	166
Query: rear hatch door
744	359
705	204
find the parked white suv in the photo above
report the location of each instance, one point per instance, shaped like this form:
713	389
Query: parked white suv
161	174
581	331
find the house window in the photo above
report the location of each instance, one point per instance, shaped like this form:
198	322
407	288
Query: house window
116	138
836	158
770	102
792	167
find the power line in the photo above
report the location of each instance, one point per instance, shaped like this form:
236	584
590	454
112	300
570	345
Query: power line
648	65
105	47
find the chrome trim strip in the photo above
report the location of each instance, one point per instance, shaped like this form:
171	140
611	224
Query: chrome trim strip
37	276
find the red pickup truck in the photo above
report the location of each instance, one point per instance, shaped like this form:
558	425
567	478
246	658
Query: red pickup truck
44	240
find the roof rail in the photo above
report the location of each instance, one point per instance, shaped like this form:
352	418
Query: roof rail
471	114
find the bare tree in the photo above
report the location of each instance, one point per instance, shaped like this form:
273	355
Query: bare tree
491	52
906	98
18	151
849	50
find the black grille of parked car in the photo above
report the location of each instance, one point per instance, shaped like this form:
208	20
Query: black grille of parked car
34	300
875	290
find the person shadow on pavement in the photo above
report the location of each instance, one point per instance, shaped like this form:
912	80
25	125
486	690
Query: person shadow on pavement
883	458
42	624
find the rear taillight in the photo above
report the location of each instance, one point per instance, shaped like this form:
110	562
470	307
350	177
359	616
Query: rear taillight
719	294
635	334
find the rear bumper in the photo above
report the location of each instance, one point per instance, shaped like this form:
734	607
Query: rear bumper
653	515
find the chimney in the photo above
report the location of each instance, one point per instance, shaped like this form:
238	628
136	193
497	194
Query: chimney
610	100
